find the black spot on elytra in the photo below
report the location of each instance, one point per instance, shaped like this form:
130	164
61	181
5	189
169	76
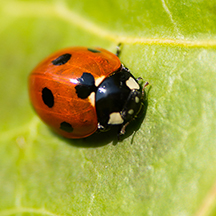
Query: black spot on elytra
62	59
86	85
94	50
65	126
48	97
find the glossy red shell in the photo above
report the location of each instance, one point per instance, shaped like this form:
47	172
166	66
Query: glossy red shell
80	113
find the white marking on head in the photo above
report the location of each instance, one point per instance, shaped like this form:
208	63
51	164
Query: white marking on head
115	118
137	99
98	80
131	112
132	84
91	98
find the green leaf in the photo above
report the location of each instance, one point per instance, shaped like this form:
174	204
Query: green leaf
168	166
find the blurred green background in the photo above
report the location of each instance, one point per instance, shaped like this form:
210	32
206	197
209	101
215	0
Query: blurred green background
167	167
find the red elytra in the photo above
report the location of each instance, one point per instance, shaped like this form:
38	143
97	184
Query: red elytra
55	80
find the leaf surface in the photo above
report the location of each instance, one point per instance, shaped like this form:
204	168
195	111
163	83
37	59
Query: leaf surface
167	167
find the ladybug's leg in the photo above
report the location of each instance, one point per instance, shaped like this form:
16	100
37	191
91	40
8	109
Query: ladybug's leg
139	78
143	90
131	109
122	129
146	84
125	69
118	49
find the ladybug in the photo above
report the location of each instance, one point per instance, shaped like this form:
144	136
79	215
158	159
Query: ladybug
79	90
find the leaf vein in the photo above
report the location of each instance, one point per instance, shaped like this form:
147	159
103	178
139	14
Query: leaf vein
22	9
8	212
171	17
